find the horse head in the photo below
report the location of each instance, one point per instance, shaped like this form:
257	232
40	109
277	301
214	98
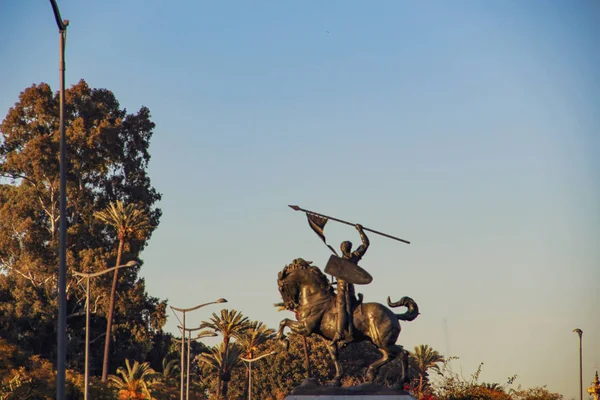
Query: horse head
288	284
296	276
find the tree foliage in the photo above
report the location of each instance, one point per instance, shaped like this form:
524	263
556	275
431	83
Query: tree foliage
107	153
452	386
423	359
250	340
228	324
134	381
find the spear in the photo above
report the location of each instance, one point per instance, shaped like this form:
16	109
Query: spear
296	208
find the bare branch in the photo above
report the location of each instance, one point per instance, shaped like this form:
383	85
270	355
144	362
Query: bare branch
99	337
76	314
27	276
96	304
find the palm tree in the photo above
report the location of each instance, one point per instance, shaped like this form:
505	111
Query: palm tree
423	359
228	324
256	335
133	383
168	378
223	361
128	220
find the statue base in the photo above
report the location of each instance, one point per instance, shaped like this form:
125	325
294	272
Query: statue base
311	390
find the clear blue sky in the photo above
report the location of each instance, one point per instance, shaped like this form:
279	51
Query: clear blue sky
470	128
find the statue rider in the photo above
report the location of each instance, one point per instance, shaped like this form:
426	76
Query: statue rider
345	290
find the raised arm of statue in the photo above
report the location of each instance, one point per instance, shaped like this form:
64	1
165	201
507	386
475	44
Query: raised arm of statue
362	249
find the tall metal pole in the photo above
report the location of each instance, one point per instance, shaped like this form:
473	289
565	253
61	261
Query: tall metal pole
61	361
580	333
182	369
187	385
62	269
87	339
580	370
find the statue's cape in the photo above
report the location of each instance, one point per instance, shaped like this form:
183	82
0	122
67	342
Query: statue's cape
347	270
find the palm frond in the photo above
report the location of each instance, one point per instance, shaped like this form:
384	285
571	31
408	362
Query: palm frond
125	219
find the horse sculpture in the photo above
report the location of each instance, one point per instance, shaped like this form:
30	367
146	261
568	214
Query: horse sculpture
306	291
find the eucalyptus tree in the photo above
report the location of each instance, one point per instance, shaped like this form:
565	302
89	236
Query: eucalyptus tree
108	156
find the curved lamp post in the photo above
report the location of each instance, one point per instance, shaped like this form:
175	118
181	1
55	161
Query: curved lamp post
61	362
580	333
185	310
87	277
201	335
249	361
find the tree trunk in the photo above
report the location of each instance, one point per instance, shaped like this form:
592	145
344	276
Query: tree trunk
247	384
225	388
109	318
220	381
420	383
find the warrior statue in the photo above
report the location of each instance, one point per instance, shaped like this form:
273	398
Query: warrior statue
346	299
340	317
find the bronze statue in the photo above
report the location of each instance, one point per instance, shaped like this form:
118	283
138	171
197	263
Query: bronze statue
306	291
340	316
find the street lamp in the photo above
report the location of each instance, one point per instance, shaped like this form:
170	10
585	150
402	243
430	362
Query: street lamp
184	310
580	333
249	361
87	314
61	362
201	335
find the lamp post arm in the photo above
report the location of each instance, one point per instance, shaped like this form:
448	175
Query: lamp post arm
198	306
94	274
258	358
188	329
62	25
201	334
249	361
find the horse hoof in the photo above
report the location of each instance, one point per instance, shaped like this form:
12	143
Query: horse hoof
336	382
285	344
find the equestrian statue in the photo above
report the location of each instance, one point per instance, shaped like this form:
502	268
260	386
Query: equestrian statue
339	316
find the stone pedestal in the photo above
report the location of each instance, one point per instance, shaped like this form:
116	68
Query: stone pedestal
311	390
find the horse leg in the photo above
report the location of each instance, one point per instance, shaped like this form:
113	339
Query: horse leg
333	352
294	326
395	351
373	368
405	374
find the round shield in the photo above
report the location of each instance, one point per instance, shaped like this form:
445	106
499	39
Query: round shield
348	271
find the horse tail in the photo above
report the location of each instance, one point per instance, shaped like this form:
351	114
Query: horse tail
412	308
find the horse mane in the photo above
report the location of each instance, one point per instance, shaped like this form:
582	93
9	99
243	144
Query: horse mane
319	277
